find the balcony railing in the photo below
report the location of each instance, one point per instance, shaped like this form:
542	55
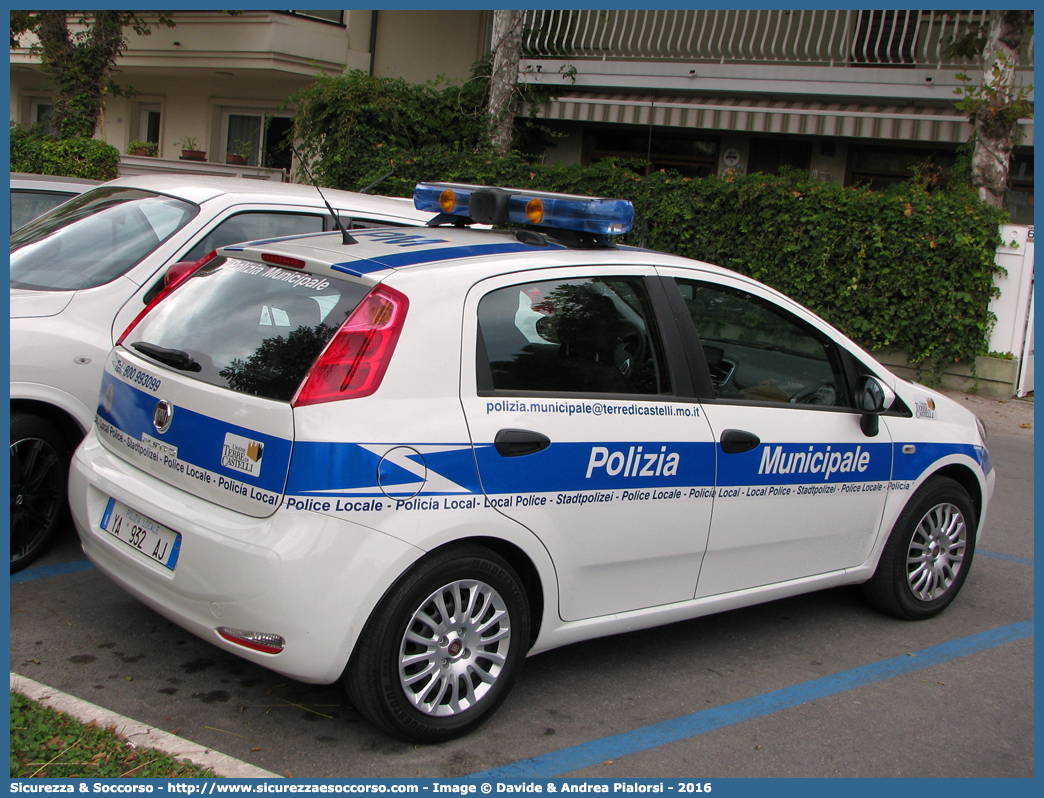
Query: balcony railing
815	38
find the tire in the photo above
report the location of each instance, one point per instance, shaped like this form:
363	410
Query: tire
39	469
928	555
426	671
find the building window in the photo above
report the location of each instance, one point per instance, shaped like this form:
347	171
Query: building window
878	167
1020	195
148	123
263	138
689	155
771	155
42	114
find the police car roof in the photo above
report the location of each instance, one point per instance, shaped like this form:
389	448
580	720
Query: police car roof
394	248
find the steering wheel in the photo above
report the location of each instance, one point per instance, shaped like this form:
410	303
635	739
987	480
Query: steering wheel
630	348
821	393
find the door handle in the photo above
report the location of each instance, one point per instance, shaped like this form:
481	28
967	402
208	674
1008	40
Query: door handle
517	442
737	441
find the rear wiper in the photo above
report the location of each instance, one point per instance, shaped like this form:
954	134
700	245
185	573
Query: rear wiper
172	357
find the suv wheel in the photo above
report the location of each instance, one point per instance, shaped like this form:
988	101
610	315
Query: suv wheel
39	464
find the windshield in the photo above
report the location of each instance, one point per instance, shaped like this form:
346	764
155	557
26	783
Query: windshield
95	238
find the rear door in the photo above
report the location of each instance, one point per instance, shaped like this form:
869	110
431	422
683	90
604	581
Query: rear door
586	432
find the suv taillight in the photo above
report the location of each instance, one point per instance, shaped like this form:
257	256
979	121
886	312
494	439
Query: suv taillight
354	361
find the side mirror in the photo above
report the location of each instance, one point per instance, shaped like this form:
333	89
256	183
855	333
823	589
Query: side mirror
873	397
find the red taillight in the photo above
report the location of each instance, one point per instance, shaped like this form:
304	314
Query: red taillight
354	361
175	276
178	272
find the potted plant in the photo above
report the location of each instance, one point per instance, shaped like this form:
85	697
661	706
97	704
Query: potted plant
149	149
239	152
190	150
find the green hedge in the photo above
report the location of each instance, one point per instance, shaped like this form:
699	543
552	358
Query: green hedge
36	153
908	268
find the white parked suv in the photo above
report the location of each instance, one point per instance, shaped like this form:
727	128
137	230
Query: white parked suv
412	459
82	272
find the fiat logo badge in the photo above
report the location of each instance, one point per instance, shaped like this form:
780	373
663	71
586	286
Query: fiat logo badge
162	415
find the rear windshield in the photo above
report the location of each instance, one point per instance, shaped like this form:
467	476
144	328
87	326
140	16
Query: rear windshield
247	326
94	238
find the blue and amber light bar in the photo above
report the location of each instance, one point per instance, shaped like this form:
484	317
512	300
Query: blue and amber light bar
488	205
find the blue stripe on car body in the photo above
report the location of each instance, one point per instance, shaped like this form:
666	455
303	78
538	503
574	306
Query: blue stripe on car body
400	259
196	436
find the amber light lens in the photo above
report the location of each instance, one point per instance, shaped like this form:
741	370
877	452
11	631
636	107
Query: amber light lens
448	200
535	211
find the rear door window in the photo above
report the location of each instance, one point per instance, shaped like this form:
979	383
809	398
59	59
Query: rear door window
27	205
584	335
245	326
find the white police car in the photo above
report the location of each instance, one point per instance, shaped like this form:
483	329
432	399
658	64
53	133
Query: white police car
82	272
412	459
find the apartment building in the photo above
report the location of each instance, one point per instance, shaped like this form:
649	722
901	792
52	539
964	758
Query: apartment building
214	78
853	96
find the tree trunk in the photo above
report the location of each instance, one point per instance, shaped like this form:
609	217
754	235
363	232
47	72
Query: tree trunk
507	50
79	68
996	135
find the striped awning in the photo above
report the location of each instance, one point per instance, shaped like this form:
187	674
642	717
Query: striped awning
799	117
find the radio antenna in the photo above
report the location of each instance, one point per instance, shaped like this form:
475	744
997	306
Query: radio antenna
345	237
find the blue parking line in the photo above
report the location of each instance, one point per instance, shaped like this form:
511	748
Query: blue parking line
45	571
999	556
568	760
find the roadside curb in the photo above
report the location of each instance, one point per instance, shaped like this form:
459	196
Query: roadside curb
138	734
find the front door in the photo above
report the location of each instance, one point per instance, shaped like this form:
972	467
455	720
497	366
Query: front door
800	490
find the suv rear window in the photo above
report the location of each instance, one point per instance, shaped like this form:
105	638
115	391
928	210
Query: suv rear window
249	327
94	238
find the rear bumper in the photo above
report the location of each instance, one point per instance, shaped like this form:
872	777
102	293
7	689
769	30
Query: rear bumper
309	578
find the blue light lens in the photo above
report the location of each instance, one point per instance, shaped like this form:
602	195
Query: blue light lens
584	214
429	196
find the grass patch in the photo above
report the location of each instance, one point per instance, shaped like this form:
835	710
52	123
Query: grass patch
49	744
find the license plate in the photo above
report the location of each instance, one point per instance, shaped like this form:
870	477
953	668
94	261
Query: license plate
143	534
